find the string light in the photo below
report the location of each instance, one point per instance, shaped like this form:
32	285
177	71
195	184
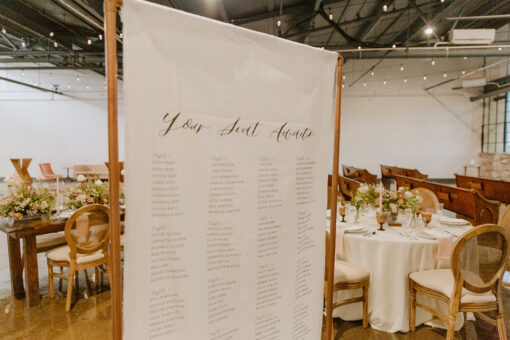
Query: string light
343	85
465	58
463	71
330	16
55	44
68	86
87	87
89	42
23	73
120	35
424	77
499	49
52	34
433	62
278	23
23	44
385	7
385	82
364	84
359	47
372	73
100	37
444	75
405	80
78	78
394	46
401	68
343	76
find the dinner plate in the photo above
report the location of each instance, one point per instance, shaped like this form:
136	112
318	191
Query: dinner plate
431	234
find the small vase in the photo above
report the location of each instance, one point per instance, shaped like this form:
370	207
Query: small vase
356	219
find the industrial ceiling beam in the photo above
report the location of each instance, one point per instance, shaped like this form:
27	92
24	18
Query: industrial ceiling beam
45	68
30	85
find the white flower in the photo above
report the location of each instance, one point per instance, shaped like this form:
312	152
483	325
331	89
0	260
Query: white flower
363	189
123	172
80	178
408	194
393	208
98	182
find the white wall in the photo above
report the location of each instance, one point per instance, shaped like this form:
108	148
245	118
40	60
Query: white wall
436	131
62	130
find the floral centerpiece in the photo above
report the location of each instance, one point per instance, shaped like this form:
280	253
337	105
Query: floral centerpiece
395	201
25	200
87	191
365	196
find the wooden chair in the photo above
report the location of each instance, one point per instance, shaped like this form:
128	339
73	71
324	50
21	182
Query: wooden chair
429	199
87	238
504	221
348	277
485	211
47	172
469	286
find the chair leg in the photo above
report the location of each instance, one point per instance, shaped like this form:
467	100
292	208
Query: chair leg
50	279
500	322
365	306
60	280
451	327
412	306
70	280
87	280
96	278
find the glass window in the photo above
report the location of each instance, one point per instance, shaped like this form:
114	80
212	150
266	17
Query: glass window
496	124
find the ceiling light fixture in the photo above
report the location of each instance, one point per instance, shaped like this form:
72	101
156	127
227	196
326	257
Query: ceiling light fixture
429	30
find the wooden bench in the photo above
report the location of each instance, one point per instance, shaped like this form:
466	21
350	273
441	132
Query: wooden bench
389	173
361	175
458	200
490	188
348	186
94	170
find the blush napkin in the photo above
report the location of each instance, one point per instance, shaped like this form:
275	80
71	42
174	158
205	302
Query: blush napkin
444	243
339	247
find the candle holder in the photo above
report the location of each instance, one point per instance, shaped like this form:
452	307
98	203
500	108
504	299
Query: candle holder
381	219
341	211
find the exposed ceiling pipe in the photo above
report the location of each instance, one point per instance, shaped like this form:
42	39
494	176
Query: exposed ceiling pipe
31	86
482	17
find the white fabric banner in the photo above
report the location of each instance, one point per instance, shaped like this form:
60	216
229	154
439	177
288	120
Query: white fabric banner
228	133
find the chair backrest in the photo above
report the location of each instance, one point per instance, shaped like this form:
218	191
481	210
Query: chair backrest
477	265
87	230
485	211
46	169
429	200
504	218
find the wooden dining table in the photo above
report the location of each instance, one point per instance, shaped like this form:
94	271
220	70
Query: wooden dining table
27	232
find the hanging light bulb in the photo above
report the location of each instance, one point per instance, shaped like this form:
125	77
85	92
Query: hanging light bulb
23	73
55	44
52	34
364	84
465	58
343	85
68	86
463	71
343	76
23	43
428	30
78	78
385	82
89	42
87	87
120	35
359	47
100	37
424	77
4	30
372	73
394	46
499	49
401	68
444	75
330	16
433	62
405	80
278	23
385	7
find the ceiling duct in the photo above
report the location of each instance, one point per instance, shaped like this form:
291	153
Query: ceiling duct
472	36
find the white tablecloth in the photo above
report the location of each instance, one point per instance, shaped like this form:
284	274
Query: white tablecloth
391	257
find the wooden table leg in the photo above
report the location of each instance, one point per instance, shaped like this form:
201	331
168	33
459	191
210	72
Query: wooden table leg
31	271
16	267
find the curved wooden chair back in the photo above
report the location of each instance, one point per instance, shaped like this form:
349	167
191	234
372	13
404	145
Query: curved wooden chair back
485	210
504	218
87	230
429	200
477	265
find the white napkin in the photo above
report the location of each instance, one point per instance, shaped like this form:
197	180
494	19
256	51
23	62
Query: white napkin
452	221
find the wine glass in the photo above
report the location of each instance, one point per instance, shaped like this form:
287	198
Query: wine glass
341	211
381	219
426	217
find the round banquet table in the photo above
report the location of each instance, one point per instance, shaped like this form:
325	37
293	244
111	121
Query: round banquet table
391	257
